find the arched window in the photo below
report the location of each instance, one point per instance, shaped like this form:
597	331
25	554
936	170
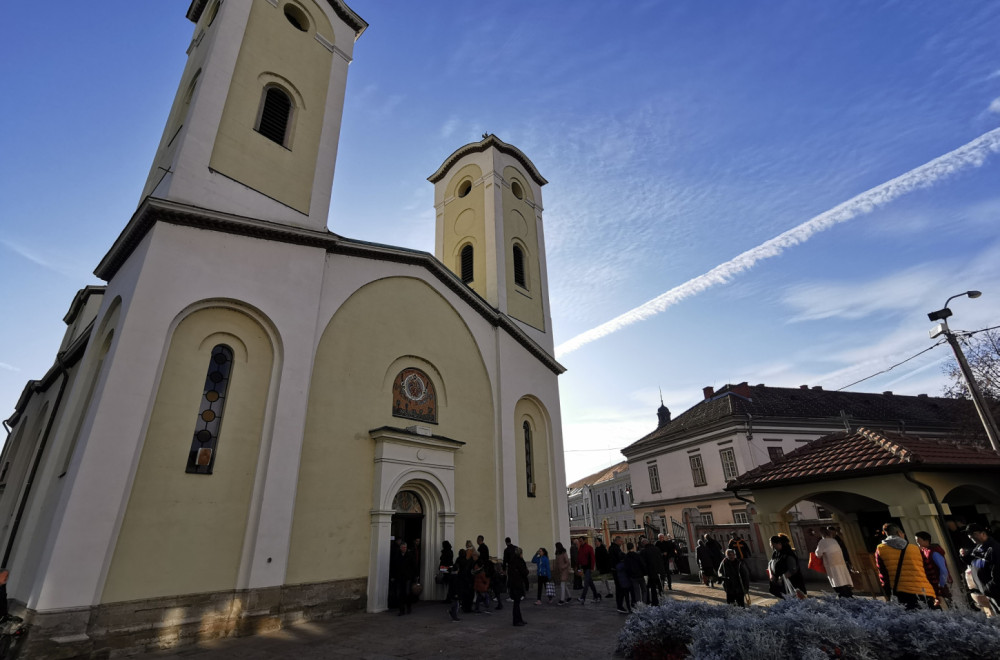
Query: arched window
275	115
466	264
519	267
201	458
529	463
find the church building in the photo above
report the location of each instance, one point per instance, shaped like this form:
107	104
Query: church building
243	419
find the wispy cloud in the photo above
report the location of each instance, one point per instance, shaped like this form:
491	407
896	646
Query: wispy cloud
849	300
972	154
995	106
449	127
63	267
8	367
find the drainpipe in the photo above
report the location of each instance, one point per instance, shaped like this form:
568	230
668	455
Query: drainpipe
37	462
959	578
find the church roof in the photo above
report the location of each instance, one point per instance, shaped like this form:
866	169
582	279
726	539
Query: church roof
599	477
153	210
864	453
484	144
345	13
737	403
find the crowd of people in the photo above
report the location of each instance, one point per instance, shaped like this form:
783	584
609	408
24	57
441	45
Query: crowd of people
915	574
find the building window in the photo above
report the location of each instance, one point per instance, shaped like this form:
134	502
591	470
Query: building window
464	188
515	188
605	499
614	499
275	113
467	264
729	470
707	519
519	267
740	517
697	470
654	478
201	458
529	466
774	453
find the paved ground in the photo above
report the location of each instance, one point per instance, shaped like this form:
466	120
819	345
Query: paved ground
587	631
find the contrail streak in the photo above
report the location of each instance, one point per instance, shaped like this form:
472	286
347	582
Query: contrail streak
973	154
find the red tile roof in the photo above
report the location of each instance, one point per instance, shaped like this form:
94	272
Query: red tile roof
604	475
863	453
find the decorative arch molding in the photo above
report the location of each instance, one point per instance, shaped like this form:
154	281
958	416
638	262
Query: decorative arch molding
277	347
424	464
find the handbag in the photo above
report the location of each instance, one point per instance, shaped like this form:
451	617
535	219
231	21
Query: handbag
816	563
550	589
417	588
790	589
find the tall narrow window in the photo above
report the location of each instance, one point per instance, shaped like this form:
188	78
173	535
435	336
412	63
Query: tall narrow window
467	264
654	478
519	267
201	458
729	469
529	465
697	470
275	112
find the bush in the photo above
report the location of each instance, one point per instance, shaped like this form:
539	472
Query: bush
812	629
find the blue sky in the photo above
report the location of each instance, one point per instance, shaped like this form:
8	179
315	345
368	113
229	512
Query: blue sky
675	136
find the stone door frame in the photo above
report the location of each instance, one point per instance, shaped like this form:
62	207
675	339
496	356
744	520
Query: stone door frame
410	459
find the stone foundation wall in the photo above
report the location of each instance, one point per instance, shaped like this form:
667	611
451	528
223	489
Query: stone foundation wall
120	629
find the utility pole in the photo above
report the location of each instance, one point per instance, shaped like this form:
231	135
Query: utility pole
977	396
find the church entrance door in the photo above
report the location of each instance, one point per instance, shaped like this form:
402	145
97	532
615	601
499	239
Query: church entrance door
407	526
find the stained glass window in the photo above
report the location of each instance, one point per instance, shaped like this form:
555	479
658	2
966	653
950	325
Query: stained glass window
528	459
201	458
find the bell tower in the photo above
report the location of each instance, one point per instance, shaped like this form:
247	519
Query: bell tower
254	126
488	202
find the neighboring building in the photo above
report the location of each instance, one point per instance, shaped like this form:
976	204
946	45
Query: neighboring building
867	478
603	501
680	470
239	424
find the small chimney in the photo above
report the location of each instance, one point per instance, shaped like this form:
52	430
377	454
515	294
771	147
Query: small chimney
709	392
663	416
887	393
742	389
818	387
803	387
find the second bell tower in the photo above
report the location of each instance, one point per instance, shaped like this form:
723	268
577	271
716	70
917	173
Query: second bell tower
488	202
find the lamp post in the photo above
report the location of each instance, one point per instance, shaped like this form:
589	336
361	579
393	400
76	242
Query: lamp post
942	328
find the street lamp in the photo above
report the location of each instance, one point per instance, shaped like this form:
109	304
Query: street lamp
942	328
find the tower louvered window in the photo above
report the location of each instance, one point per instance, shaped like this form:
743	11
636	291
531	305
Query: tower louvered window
467	264
519	267
274	115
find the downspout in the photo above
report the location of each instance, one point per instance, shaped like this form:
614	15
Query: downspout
944	528
37	462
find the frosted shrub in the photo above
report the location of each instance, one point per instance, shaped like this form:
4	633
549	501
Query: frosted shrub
812	629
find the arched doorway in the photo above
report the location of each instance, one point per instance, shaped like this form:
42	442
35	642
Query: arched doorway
410	469
407	526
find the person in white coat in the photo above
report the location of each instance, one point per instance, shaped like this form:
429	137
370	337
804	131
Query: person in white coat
833	561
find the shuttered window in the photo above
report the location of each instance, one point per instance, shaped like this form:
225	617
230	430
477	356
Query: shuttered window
519	267
467	264
274	115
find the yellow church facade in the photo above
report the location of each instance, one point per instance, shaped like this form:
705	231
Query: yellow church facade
253	408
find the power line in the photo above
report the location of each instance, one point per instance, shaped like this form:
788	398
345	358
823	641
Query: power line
879	373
